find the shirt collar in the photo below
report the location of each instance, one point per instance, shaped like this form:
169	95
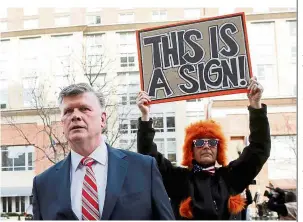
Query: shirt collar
99	155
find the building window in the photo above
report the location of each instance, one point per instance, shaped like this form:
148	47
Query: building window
133	126
4	72
62	65
167	147
30	24
127	49
17	203
30	68
62	68
132	98
9	204
160	145
128	78
289	85
3	26
160	15
170	121
263	56
30	11
123	126
17	158
30	56
29	91
292	27
30	165
158	124
192	13
94	54
62	21
126	124
171	150
194	116
127	17
127	38
4	204
129	85
124	100
93	19
22	204
61	81
264	71
127	60
128	99
3	93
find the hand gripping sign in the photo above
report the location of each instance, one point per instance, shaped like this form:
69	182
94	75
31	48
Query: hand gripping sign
194	59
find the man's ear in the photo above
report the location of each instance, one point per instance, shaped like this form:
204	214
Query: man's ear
103	119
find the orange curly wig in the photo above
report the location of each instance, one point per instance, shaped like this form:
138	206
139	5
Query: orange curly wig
206	129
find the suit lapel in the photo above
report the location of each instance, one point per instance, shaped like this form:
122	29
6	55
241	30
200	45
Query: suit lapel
62	182
117	169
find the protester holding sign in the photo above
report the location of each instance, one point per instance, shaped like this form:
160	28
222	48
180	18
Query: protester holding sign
201	191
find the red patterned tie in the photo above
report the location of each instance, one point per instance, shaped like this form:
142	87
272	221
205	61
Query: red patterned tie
90	204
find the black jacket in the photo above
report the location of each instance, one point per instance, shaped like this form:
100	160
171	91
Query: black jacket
210	194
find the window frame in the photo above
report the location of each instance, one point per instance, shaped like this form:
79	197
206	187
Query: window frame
27	151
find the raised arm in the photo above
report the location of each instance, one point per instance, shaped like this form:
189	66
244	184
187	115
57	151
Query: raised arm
244	169
171	175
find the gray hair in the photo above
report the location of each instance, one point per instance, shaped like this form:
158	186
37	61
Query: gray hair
76	89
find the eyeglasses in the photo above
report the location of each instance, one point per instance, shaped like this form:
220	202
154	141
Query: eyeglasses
202	142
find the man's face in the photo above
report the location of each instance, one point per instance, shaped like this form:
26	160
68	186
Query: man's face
205	150
82	117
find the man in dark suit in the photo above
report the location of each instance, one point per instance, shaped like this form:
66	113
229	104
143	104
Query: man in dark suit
96	181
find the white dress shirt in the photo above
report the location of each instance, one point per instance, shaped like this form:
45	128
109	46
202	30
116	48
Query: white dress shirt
77	173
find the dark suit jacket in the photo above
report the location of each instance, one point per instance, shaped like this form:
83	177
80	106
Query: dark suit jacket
134	190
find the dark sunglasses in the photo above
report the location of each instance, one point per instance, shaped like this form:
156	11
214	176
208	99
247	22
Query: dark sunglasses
202	142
